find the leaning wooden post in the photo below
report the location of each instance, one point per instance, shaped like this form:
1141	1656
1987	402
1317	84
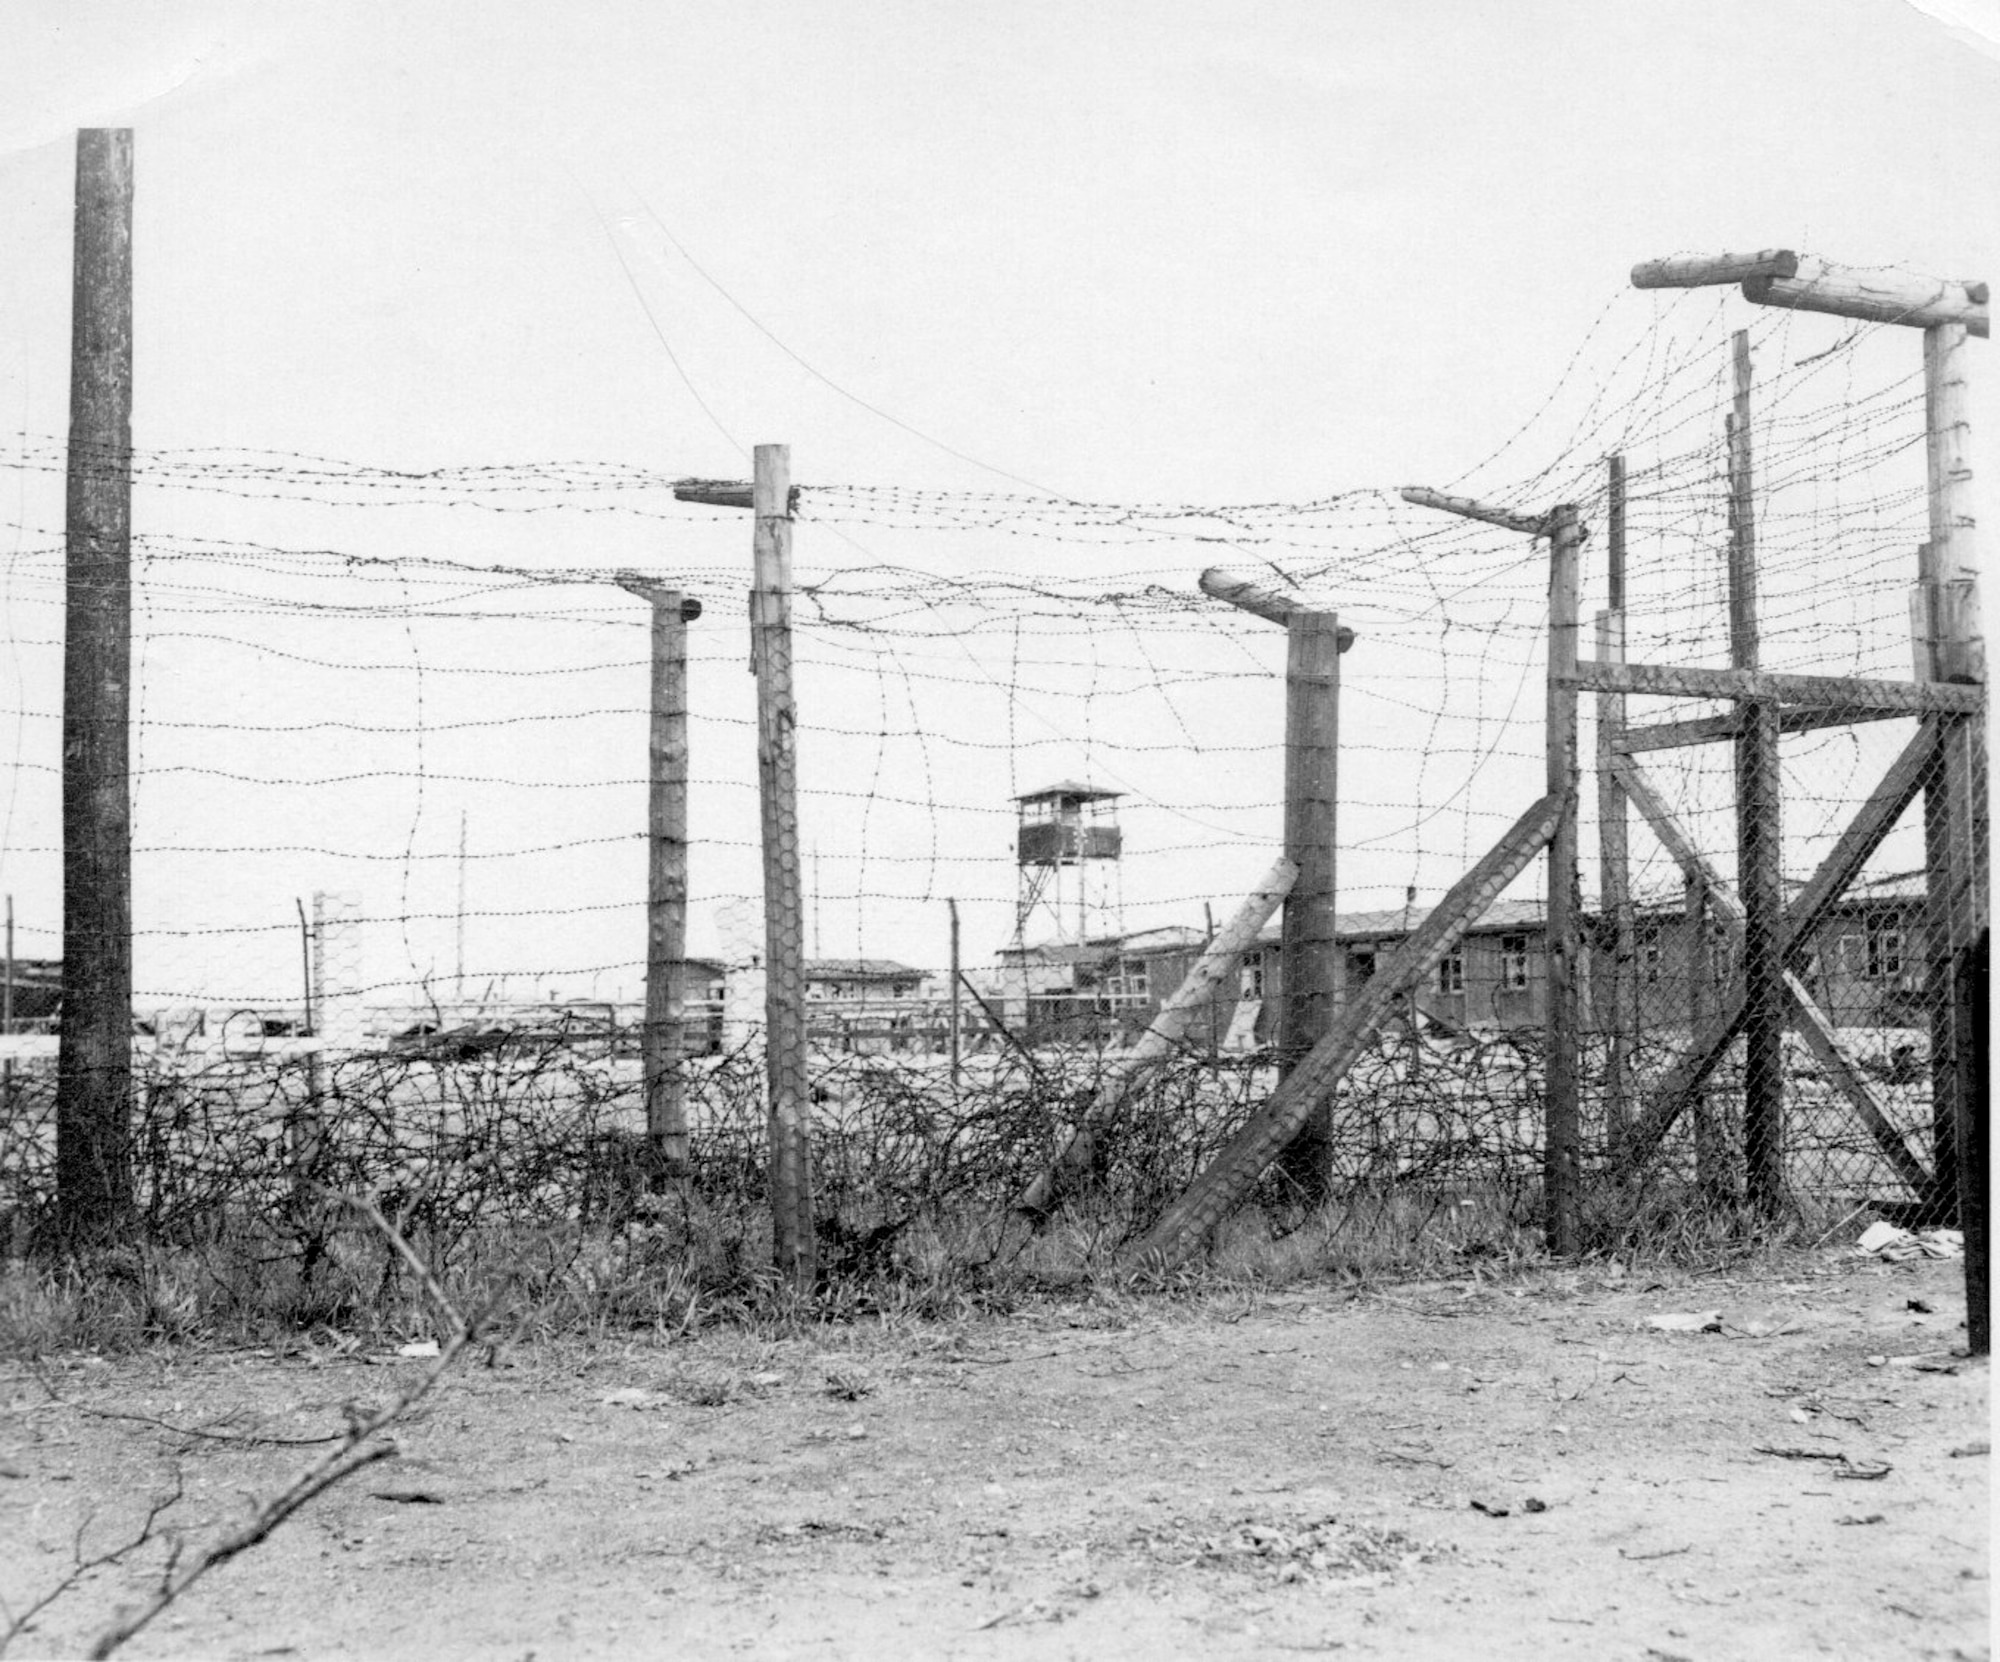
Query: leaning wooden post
94	1061
1613	840
662	1034
1759	834
784	909
1166	1033
1561	1151
1274	1126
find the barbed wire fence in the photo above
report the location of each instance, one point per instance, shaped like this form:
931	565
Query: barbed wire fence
390	825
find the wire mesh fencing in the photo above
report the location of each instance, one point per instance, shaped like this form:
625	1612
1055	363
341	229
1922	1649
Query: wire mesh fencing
390	807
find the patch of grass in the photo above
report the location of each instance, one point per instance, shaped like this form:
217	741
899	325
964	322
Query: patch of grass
676	1266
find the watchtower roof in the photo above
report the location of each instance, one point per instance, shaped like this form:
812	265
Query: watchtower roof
1069	790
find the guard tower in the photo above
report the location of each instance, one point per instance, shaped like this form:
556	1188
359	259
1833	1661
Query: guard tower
1067	853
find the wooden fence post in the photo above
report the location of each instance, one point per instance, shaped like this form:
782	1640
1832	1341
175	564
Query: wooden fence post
793	1240
94	1065
957	1000
1309	948
1956	828
662	1035
1714	1167
1561	1135
1614	841
1759	832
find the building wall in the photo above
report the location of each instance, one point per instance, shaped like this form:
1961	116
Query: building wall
1862	967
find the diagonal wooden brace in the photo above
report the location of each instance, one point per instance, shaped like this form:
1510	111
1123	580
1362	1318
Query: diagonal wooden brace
1160	1040
1842	864
1229	1177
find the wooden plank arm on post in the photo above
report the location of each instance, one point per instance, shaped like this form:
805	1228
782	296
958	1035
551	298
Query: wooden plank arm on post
1875	296
1265	603
1694	271
1531	525
1161	1038
726	493
652	593
1222	1186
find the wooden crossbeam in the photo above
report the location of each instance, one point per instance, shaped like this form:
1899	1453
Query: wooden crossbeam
1781	277
1532	525
1230	1175
1673	681
725	493
1261	602
1864	834
1675	735
1874	295
1693	271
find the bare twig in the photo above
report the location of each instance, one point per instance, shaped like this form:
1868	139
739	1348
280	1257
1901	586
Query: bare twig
245	1439
82	1567
357	1448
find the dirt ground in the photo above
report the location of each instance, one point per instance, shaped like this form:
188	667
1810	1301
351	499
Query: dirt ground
1492	1469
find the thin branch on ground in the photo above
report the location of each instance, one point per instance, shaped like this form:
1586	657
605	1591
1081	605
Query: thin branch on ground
358	1448
82	1566
193	1433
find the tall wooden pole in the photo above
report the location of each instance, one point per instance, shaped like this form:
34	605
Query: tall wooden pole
94	1065
1561	1154
784	927
1759	835
1309	949
661	1036
1613	840
1956	817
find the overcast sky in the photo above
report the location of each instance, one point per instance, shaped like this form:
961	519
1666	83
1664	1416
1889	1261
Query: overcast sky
1127	252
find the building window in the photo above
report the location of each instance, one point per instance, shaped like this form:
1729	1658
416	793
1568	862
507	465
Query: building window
1361	967
1848	954
1652	960
1513	960
1250	981
1721	957
1451	972
1885	954
1130	979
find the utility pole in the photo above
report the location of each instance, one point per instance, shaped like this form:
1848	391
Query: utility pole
94	1060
